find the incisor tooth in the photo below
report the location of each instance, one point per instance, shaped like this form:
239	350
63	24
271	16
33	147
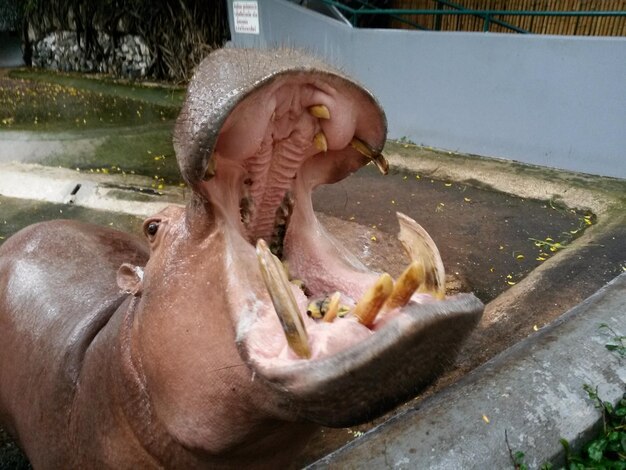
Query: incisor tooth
372	301
333	307
408	282
284	302
379	160
319	111
421	248
320	142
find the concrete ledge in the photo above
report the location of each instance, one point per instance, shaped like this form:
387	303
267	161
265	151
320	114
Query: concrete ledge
533	391
96	191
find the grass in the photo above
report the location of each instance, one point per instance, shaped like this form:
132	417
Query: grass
47	106
146	151
127	126
157	94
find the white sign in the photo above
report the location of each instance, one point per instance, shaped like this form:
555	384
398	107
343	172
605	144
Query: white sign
246	15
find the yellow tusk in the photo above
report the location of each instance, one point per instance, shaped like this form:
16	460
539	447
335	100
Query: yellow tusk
408	282
319	111
284	302
373	299
421	248
333	307
320	142
364	149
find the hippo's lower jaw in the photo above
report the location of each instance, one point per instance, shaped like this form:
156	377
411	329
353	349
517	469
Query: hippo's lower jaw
279	135
329	366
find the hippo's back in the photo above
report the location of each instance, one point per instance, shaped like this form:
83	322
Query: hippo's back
57	291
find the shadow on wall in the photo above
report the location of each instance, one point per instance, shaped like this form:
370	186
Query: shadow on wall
10	50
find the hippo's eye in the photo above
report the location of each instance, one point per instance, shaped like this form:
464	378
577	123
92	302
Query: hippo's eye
151	228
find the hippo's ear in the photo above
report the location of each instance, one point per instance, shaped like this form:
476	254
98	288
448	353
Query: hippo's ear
130	279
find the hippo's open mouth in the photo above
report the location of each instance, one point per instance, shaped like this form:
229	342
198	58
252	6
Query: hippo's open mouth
257	155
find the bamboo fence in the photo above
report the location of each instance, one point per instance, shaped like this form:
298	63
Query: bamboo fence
559	25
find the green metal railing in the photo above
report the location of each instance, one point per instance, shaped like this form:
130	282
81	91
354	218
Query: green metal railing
489	16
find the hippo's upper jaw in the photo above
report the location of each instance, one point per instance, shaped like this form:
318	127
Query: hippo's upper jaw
256	135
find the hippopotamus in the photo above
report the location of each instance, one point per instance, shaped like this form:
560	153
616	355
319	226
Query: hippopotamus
235	326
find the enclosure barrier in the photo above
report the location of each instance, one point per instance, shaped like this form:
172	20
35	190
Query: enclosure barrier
491	17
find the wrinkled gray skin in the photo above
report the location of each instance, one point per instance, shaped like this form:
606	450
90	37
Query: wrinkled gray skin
165	351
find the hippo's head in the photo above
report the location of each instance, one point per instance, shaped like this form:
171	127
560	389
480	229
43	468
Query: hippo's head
222	301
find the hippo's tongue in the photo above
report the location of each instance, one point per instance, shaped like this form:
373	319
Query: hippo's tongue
256	135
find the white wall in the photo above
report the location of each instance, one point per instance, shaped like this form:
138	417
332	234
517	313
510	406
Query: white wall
557	101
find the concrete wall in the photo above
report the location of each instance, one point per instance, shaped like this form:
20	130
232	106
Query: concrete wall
557	101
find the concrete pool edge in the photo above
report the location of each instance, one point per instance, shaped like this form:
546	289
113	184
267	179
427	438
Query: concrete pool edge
575	190
533	391
96	191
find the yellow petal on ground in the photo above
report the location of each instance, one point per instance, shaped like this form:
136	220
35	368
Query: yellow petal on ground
485	419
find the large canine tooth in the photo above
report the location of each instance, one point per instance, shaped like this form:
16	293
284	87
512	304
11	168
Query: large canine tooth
320	142
333	307
406	285
379	160
284	303
372	301
319	111
421	248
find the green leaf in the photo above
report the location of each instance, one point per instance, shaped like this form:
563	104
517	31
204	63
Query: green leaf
596	449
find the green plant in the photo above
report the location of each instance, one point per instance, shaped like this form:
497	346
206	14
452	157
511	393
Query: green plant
607	450
618	342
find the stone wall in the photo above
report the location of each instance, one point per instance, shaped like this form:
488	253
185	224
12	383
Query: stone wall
10	15
123	56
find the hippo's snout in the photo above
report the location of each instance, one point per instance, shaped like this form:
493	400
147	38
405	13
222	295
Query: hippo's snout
258	132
